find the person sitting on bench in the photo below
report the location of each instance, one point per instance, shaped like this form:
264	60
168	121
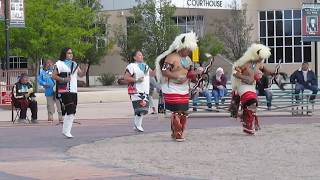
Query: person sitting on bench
23	97
202	90
262	88
219	84
305	78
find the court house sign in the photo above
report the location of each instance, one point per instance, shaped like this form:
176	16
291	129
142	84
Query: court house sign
205	4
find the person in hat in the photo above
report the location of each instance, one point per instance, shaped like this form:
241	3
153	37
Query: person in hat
23	97
219	85
173	69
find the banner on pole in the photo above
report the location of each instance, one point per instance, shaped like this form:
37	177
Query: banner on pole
2	9
16	13
310	22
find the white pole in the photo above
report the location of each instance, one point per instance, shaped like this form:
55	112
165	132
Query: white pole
158	6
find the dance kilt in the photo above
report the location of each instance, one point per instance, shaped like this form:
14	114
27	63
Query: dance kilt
248	98
68	102
176	102
140	103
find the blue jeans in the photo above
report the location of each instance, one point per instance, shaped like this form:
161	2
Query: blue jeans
268	95
205	93
218	93
300	88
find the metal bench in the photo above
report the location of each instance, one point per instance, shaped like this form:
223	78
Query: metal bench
282	101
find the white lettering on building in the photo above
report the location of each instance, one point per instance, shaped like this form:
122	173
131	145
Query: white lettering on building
205	4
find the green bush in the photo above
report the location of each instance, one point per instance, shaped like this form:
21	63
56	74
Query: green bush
107	79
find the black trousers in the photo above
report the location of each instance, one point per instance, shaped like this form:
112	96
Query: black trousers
68	103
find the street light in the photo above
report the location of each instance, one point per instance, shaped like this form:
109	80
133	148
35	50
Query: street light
6	29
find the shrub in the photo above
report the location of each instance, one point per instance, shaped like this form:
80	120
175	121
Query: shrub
107	79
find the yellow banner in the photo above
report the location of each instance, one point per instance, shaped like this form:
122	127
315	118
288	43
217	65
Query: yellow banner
195	55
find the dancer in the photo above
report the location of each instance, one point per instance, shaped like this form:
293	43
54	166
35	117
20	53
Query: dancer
246	71
173	68
66	73
137	76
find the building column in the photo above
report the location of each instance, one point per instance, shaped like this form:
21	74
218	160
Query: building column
317	61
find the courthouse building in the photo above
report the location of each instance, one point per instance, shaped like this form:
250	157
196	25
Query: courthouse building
277	24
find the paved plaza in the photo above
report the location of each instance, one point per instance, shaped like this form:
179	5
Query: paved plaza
105	146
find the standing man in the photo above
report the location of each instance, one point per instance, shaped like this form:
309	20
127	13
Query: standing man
45	79
312	24
173	70
66	74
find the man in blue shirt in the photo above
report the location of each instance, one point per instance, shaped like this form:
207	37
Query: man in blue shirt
45	79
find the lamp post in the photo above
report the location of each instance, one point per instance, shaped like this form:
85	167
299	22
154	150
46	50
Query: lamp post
6	29
316	52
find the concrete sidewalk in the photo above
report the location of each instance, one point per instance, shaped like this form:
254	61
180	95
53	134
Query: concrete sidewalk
113	102
96	95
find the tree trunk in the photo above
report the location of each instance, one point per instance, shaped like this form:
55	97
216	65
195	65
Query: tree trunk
36	74
87	76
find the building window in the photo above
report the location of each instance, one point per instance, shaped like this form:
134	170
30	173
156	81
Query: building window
281	31
185	23
190	23
16	62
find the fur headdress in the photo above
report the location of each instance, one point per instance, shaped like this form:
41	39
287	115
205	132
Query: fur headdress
255	52
185	40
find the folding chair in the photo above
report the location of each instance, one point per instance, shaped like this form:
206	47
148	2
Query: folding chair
15	111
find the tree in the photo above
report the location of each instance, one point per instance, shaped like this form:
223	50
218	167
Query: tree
52	25
209	44
100	45
234	32
150	29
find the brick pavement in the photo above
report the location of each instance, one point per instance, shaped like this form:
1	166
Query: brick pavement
38	151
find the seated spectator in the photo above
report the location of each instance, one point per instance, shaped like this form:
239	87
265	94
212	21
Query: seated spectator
262	88
219	89
202	90
304	78
23	97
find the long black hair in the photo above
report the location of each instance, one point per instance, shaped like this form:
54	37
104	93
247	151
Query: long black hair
132	55
63	53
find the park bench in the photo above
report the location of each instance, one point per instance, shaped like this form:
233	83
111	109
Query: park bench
282	101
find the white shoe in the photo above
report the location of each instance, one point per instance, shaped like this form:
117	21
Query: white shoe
67	125
68	135
138	123
140	129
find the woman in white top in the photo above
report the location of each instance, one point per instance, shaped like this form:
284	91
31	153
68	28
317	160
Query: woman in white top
66	73
137	75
